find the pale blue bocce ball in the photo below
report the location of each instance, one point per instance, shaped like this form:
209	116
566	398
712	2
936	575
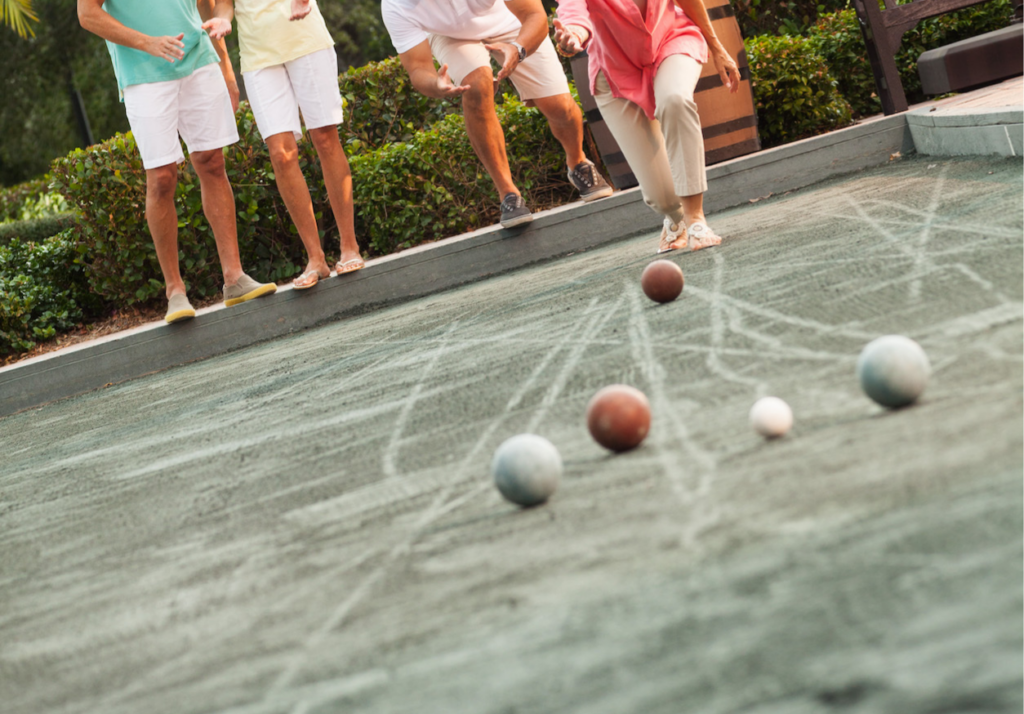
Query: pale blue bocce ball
526	469
893	370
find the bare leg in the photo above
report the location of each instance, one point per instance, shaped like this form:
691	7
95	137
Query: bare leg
284	157
693	208
338	179
566	122
162	217
219	207
484	129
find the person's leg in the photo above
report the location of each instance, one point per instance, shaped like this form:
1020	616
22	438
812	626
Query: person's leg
338	179
676	110
484	129
219	208
162	217
566	122
291	184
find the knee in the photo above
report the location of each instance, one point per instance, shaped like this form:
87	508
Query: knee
208	163
480	95
283	154
664	204
564	111
325	139
161	182
676	105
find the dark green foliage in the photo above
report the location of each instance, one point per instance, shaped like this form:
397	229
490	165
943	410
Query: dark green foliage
107	184
434	186
794	92
837	38
358	31
382	107
788	17
36	230
43	291
13	199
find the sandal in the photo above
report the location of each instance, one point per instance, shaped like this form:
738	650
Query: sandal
308	279
673	237
701	236
349	266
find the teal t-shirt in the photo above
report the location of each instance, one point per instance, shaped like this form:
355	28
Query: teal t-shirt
162	17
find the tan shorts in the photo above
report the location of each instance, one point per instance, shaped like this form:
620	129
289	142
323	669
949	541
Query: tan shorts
539	75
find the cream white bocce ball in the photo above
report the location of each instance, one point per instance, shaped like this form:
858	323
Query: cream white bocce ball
526	469
771	417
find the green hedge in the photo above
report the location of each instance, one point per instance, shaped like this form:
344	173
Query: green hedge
434	186
14	198
794	92
837	38
37	229
43	291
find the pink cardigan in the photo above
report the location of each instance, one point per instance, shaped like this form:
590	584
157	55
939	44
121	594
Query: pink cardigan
629	50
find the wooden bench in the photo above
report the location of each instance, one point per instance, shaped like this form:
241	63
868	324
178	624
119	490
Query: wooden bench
883	32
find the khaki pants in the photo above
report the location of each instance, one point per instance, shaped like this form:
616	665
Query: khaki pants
666	154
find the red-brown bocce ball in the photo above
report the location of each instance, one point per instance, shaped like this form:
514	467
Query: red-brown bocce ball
662	281
619	417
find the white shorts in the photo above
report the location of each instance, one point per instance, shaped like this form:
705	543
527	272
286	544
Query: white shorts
309	83
539	75
196	107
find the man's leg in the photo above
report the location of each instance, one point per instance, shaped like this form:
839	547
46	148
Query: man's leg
566	122
284	156
484	129
338	179
219	207
162	218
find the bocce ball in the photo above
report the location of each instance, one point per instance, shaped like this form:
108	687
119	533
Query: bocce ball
771	417
619	417
662	281
526	469
893	370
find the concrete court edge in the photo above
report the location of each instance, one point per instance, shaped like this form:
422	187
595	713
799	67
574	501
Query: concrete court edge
438	266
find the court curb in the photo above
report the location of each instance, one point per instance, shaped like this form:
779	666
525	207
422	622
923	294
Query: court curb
436	267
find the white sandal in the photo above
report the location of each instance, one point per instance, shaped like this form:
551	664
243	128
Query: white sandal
701	236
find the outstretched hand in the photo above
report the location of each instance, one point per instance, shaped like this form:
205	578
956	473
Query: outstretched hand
168	48
510	59
300	8
446	89
567	37
727	69
217	28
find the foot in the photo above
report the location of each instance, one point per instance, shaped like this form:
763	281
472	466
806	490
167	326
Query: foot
586	179
699	236
179	308
349	266
246	289
514	211
310	277
673	237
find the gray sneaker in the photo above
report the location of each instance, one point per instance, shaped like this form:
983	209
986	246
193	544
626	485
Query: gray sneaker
514	211
246	289
179	308
589	182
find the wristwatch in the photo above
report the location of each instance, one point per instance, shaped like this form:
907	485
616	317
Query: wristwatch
522	50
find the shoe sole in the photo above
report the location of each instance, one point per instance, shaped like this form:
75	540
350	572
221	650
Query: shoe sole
180	315
603	193
262	290
513	222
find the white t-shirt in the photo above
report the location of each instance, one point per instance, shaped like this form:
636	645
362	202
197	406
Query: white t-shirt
409	22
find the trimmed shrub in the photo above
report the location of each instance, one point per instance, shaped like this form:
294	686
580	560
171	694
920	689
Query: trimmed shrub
788	17
434	186
13	199
795	94
107	184
43	291
837	38
37	229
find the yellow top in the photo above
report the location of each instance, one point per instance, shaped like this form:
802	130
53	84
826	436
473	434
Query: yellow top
266	37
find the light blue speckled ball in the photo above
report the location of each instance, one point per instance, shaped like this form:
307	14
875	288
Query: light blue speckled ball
893	370
526	469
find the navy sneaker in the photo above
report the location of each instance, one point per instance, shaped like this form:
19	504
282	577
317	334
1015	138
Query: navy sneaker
589	182
514	211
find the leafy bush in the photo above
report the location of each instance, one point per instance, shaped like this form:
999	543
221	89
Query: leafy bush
837	38
14	199
36	230
382	107
43	291
434	186
788	17
795	94
106	183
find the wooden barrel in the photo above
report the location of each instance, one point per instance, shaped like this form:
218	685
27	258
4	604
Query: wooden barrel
728	121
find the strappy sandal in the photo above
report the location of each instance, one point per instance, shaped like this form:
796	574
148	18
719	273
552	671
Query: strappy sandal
701	236
308	279
349	266
673	237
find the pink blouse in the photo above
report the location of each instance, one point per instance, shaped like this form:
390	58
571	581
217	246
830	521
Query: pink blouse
629	50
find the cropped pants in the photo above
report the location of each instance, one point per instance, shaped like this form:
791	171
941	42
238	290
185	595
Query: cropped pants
666	154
